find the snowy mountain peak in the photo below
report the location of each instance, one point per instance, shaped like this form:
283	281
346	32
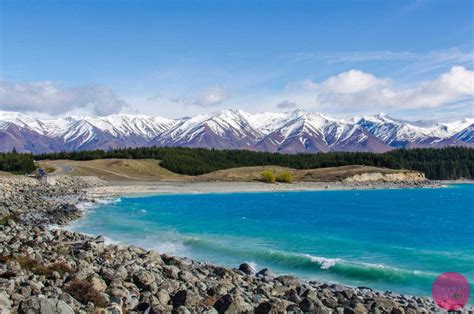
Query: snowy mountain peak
288	132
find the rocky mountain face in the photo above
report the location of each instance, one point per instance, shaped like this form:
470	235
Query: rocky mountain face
292	132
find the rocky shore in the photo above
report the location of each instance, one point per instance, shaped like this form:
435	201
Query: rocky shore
57	271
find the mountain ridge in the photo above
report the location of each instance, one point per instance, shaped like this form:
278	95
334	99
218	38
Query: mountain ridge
296	131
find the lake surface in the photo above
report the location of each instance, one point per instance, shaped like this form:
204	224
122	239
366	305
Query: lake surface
398	240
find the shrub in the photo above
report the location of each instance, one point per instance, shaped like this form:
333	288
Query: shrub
268	177
285	177
82	291
49	169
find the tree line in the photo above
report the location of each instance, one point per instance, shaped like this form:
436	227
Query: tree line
447	163
17	163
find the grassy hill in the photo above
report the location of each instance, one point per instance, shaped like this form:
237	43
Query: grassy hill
113	169
150	170
329	174
444	164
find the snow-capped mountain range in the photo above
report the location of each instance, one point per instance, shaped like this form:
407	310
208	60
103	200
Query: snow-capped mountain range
291	132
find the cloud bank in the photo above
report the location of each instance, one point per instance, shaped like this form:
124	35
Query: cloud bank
352	91
51	98
357	89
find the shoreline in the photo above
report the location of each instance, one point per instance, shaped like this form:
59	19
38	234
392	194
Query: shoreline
126	278
133	189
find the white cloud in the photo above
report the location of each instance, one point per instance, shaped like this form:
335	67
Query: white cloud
51	98
211	97
357	89
310	85
353	81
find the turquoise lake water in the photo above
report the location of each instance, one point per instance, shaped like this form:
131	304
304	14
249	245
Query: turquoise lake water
397	240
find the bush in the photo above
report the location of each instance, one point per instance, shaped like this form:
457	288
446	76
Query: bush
268	177
285	177
49	169
82	291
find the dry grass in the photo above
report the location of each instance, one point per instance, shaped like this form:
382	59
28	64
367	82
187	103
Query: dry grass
246	174
82	291
49	169
62	268
242	174
150	170
115	169
37	268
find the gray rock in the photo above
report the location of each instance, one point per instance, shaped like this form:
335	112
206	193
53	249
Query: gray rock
246	269
265	273
308	305
143	279
5	303
40	304
289	281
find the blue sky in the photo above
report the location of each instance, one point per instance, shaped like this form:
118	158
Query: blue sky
413	59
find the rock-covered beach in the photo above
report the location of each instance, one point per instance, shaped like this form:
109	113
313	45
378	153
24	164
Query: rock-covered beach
45	270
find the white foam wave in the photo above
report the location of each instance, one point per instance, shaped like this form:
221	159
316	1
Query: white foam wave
325	263
110	241
85	206
253	265
110	200
169	247
88	206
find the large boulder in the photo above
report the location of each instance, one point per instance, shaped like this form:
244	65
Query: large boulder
143	279
246	269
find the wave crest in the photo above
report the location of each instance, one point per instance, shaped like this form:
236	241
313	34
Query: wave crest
315	264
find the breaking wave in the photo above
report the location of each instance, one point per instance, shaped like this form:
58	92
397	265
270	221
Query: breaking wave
315	264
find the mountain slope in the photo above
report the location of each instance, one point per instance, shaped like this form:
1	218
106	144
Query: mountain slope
312	132
291	132
226	129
